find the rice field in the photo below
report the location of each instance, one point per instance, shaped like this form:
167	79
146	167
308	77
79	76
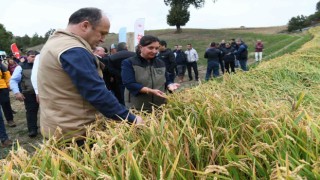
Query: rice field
261	124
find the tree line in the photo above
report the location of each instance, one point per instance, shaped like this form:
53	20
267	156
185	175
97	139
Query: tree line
299	22
7	38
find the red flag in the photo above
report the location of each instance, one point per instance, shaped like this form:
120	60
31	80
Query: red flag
15	50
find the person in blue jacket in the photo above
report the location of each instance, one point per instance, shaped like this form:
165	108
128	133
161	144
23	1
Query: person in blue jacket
242	54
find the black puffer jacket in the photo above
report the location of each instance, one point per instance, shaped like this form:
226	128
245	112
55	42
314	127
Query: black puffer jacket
228	54
168	58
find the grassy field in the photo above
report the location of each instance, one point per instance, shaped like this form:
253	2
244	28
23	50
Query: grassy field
262	124
275	43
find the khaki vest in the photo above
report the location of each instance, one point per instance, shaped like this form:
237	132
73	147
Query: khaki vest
61	105
149	75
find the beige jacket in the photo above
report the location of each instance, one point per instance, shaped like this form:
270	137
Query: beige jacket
61	105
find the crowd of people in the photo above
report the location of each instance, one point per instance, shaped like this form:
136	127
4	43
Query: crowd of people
72	79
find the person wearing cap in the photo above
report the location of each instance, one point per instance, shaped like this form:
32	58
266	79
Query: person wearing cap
71	89
144	77
113	49
22	74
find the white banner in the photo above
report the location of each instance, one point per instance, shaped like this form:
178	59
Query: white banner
138	30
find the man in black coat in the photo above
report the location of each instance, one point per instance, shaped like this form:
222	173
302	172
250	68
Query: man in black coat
166	55
115	61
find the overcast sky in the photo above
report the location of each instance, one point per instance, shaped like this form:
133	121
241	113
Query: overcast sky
38	16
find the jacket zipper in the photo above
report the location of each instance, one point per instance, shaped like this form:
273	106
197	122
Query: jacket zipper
152	97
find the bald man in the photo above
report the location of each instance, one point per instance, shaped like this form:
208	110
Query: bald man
71	90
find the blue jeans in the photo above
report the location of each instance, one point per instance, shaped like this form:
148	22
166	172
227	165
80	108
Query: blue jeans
3	133
243	65
212	66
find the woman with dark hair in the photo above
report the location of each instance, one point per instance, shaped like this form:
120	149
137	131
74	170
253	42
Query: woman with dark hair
144	77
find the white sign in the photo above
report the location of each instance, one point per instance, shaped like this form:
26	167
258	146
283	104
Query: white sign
138	30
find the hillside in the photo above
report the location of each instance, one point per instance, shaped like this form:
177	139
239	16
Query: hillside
273	38
276	42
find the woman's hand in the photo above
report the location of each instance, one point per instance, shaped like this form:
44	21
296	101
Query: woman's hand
173	86
157	92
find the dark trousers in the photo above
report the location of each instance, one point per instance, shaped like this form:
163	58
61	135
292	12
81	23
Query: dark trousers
212	66
170	76
194	66
229	64
3	133
5	103
243	65
221	62
32	107
121	97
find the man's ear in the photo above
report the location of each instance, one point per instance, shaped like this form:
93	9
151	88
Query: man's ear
85	25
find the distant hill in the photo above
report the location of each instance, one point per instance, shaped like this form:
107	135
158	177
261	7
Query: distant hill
274	38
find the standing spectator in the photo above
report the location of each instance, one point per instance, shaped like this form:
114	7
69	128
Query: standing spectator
5	142
144	77
167	56
103	57
11	65
242	54
229	58
71	89
259	49
175	48
100	53
192	58
4	95
181	60
34	75
222	44
235	47
114	67
174	52
113	49
22	74
213	54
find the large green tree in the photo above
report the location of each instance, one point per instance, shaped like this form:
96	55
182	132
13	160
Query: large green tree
5	39
318	6
298	23
178	14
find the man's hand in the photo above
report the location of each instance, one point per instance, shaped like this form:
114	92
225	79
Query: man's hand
173	86
19	96
139	120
